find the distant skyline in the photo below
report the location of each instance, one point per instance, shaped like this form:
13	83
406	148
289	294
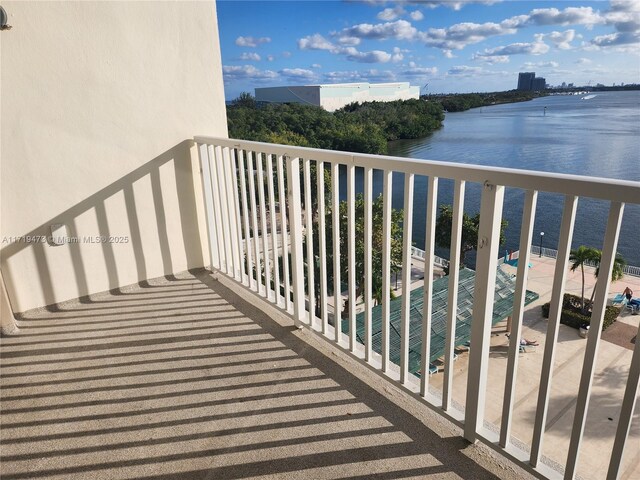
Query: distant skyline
453	46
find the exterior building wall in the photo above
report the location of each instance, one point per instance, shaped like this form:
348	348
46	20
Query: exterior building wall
99	102
334	97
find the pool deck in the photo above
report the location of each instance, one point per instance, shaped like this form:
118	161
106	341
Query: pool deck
612	368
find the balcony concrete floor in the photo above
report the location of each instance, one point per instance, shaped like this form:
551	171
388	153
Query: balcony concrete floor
182	378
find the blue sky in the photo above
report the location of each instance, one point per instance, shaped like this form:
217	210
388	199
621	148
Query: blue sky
449	46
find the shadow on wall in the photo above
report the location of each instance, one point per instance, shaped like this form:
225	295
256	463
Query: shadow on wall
151	215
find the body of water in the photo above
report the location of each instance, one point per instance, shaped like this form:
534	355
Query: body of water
598	136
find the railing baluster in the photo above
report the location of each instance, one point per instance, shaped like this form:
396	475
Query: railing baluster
626	413
274	230
322	246
282	198
386	266
432	206
223	182
484	292
308	210
595	329
526	234
406	277
335	217
263	226
295	219
351	222
203	153
454	275
245	217
553	325
217	206
368	236
254	222
234	212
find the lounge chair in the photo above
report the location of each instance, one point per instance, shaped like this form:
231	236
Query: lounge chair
633	305
619	298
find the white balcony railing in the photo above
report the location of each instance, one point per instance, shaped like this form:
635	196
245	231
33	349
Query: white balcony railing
251	233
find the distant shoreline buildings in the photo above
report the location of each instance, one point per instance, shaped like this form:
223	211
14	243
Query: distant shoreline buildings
334	96
528	82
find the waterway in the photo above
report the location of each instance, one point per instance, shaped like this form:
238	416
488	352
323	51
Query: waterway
597	136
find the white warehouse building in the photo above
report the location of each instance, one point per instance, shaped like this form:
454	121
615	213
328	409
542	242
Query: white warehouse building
334	96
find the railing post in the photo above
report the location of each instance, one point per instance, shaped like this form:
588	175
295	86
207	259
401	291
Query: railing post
295	227
207	191
484	291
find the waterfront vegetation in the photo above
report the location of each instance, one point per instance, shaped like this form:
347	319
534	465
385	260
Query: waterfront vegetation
460	102
361	128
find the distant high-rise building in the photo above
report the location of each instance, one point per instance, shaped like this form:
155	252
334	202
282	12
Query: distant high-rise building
528	82
538	84
525	80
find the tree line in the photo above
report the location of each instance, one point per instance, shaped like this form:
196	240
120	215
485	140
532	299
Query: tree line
460	102
358	127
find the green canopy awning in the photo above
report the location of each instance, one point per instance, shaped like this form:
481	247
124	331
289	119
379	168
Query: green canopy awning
502	308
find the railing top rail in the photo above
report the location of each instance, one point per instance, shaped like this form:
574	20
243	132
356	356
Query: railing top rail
601	188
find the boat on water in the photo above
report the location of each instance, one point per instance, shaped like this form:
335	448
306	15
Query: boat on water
588	97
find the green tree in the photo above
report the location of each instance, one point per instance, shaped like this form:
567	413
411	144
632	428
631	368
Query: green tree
376	246
616	273
578	258
470	225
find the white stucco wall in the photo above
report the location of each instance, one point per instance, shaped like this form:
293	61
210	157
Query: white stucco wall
98	103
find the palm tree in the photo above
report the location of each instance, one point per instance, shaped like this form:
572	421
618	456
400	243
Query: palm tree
616	274
579	257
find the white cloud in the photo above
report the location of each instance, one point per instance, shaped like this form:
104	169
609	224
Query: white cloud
464	71
298	74
617	39
316	65
455	5
315	42
250	56
374	56
348	41
448	54
318	42
242	72
286	54
397	55
413	70
372	75
536	48
543	65
389	14
569	16
398	30
458	36
251	41
584	61
624	15
562	40
416	15
271	58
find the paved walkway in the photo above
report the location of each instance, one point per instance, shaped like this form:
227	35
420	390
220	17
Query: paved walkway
184	379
